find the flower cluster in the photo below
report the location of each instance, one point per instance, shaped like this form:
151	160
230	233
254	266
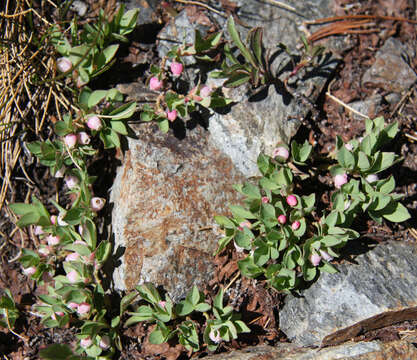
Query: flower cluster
171	104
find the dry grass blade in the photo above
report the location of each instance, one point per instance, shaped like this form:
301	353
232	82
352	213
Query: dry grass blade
343	28
21	62
342	25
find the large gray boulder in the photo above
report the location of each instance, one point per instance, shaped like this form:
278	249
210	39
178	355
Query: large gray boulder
377	290
165	196
374	350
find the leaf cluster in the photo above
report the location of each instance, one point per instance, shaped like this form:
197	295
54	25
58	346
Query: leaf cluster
176	320
8	310
253	69
363	159
112	115
89	50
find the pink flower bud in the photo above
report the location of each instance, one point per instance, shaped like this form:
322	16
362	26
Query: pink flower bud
282	219
214	336
171	115
349	147
265	199
244	224
71	181
206	91
372	178
53	220
162	304
72	257
155	84
52	240
44	251
60	313
325	255
70	140
281	152
176	68
315	259
38	230
29	271
295	225
94	123
292	200
97	203
63	64
86	343
72	276
83	138
61	172
340	180
83	308
104	342
72	305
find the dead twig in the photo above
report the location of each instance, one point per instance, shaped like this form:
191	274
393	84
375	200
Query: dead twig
282	5
340	102
198	3
355	17
401	102
411	137
232	281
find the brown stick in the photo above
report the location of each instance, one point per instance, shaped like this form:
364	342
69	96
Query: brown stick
353	17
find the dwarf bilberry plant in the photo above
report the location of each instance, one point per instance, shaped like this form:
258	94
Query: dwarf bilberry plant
69	257
177	320
172	101
278	229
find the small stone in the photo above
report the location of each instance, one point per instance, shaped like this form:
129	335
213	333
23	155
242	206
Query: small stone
79	7
390	70
369	107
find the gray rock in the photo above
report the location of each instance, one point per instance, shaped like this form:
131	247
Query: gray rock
146	10
178	31
165	196
369	107
393	98
377	290
79	7
391	70
374	350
